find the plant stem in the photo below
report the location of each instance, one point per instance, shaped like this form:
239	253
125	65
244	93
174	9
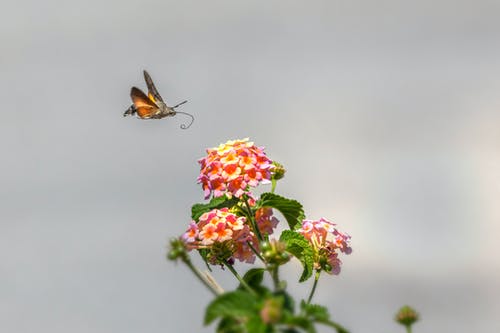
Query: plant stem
408	328
252	220
275	275
200	276
254	250
316	278
243	282
273	185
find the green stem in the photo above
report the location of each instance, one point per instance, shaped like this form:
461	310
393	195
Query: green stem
275	275
252	220
273	270
243	282
200	276
408	328
316	278
254	250
273	185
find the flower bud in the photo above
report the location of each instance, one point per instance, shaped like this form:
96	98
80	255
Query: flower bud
278	171
274	252
406	316
177	250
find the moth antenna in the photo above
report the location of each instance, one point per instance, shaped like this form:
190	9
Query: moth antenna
184	102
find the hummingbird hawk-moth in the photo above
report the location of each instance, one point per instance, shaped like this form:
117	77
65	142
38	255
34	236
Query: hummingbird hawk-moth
152	106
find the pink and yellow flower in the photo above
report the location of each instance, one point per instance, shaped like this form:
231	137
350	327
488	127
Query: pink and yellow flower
233	167
218	226
326	242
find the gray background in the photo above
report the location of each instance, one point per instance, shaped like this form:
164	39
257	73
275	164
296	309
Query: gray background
385	113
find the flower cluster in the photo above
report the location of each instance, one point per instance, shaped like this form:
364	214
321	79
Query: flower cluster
221	226
232	167
327	242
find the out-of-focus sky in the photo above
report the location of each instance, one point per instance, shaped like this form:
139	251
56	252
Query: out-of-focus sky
386	115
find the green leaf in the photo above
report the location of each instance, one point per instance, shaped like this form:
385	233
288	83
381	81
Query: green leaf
319	314
256	325
254	277
236	304
338	327
314	311
230	325
300	322
300	247
291	209
220	202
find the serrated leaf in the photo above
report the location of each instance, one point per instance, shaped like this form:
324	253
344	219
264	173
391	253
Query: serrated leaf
256	325
220	202
254	277
338	327
300	322
299	247
232	325
232	304
315	312
292	210
319	314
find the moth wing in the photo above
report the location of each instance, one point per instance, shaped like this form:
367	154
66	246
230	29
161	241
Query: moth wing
145	106
152	92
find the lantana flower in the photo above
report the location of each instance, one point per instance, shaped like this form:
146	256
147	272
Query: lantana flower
266	222
221	226
233	167
327	242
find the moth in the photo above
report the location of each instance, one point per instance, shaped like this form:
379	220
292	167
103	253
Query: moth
152	106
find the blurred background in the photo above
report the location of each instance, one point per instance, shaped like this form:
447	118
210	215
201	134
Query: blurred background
385	114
